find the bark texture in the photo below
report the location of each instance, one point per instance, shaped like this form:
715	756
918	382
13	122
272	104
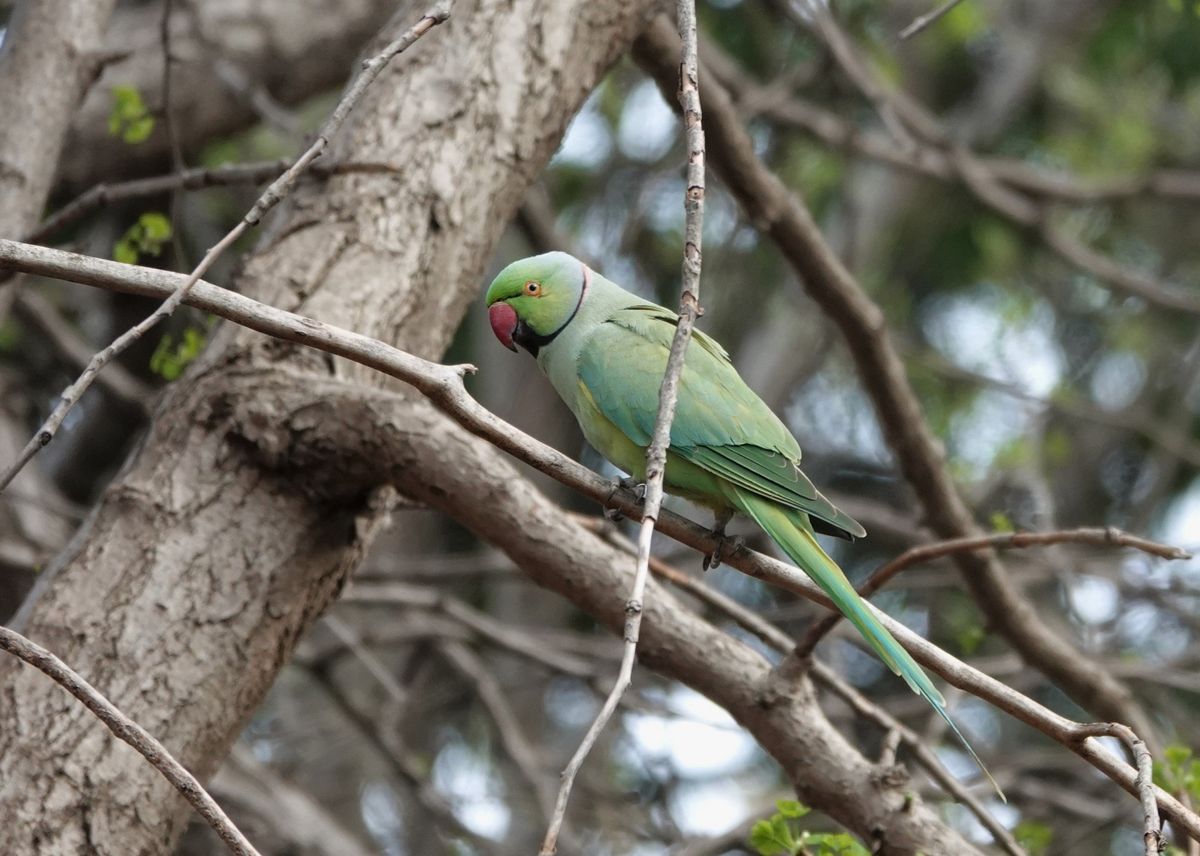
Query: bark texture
190	584
50	57
268	43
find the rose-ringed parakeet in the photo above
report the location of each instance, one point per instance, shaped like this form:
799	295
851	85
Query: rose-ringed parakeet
605	352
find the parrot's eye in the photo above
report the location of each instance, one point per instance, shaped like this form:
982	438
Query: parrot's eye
533	289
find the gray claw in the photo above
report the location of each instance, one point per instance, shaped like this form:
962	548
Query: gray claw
713	559
639	492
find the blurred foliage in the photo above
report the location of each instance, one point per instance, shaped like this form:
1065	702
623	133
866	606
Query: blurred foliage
129	117
145	237
1178	772
1035	837
171	357
780	835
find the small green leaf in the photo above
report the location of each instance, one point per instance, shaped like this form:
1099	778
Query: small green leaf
766	842
156	226
129	117
125	252
1002	523
1034	836
146	236
791	808
170	359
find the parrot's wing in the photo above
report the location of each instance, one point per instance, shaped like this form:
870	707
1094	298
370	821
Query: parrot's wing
720	424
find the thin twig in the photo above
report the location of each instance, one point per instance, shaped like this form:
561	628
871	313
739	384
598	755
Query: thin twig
1107	537
1152	825
443	386
132	733
656	453
196	178
275	193
924	21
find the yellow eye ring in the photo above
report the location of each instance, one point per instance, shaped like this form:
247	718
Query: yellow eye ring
533	289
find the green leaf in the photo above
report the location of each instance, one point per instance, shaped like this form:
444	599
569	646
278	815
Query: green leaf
146	236
170	359
125	252
129	117
767	841
1034	836
1179	771
155	226
791	808
1002	523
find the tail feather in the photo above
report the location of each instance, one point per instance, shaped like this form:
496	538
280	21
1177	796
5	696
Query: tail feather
792	532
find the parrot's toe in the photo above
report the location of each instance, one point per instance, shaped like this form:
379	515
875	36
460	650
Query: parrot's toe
732	543
627	483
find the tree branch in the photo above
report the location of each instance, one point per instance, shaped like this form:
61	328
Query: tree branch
132	733
1108	536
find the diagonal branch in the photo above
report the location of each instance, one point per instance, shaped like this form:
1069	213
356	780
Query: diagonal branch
132	733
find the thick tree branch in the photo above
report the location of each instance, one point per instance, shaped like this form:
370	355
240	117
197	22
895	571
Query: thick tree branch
47	41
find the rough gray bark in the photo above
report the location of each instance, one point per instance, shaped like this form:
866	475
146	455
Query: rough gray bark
271	42
50	57
198	571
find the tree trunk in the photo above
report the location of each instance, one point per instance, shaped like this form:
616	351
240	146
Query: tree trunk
190	584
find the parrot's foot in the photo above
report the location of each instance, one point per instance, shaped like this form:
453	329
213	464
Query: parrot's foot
713	559
639	492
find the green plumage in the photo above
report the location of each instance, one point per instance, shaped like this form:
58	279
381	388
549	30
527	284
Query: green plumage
605	351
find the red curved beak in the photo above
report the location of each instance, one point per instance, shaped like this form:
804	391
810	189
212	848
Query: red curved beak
503	319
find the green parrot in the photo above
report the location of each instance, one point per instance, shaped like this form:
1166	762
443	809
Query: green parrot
605	352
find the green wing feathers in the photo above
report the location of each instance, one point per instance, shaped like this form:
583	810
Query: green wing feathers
792	532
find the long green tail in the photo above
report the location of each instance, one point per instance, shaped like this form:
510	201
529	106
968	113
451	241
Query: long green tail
792	532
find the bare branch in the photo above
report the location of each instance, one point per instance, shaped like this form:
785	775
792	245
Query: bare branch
275	193
117	380
196	178
1108	537
924	21
132	733
443	386
656	453
1152	836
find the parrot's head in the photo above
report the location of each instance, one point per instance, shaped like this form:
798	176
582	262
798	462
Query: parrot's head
532	300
